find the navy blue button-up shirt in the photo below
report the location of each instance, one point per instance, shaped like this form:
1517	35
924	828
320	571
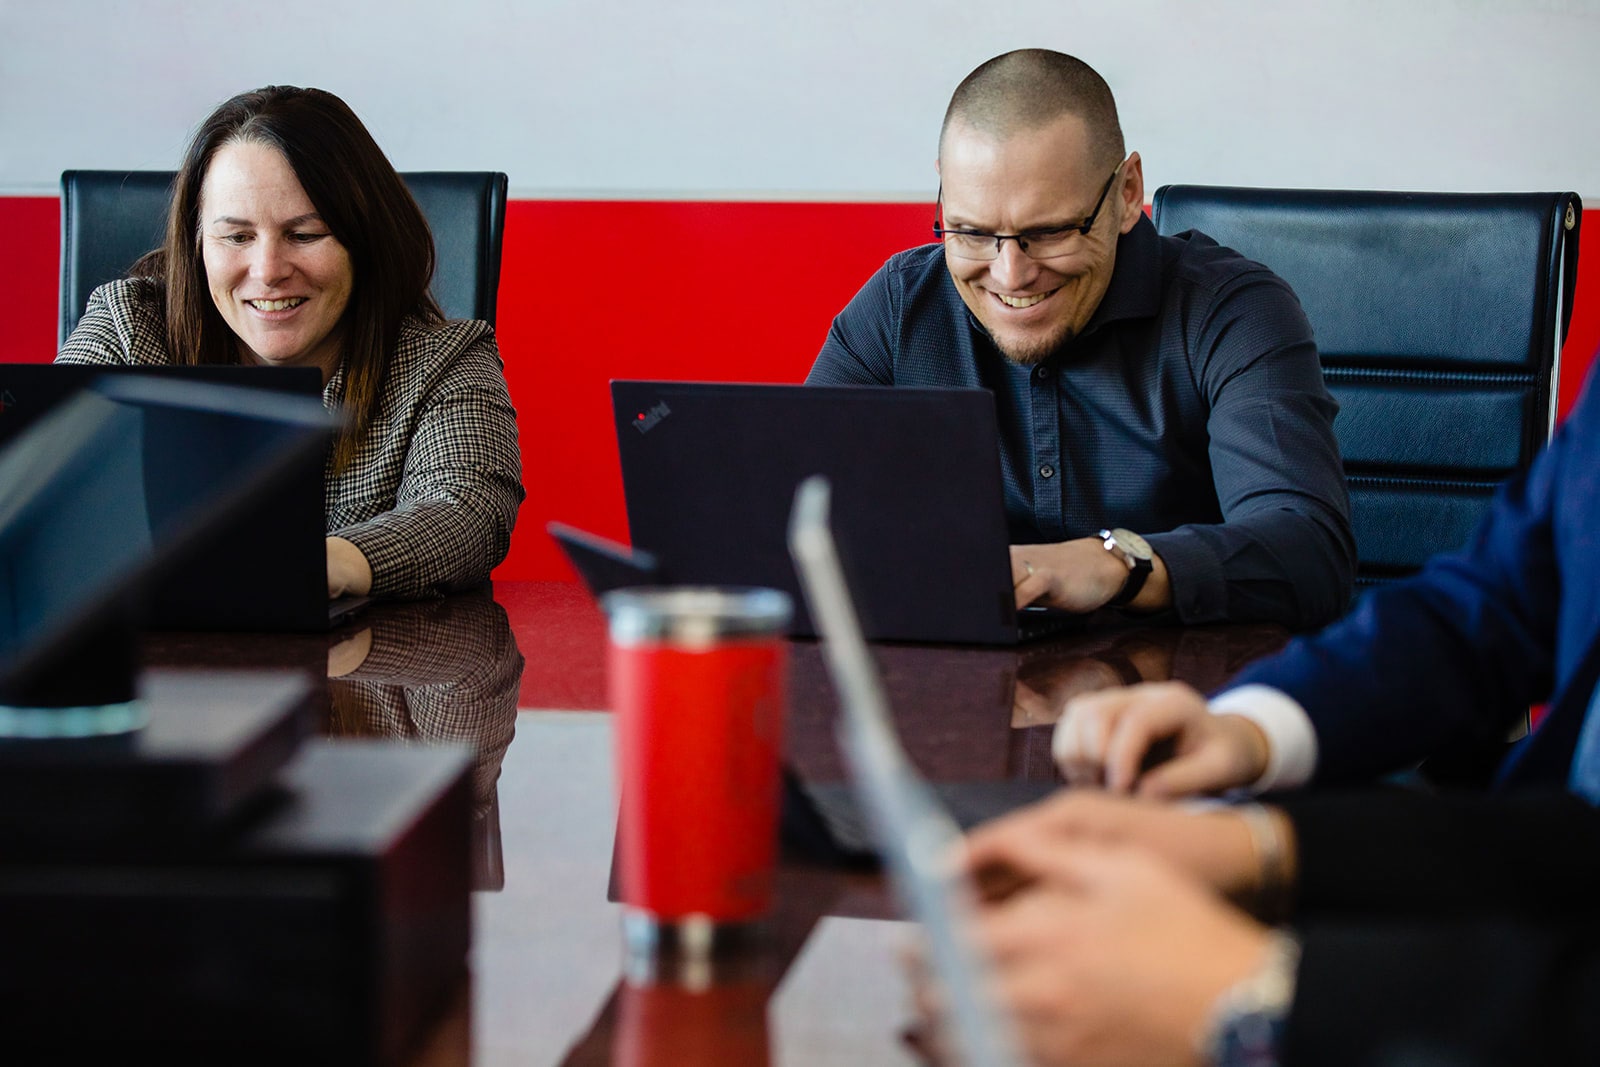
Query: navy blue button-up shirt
1190	409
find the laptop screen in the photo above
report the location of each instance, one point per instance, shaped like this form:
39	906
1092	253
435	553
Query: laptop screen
103	493
709	471
281	531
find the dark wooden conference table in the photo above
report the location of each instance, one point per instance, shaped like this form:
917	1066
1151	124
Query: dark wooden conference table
520	675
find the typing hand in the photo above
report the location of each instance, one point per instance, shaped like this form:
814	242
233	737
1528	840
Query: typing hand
1080	576
1107	738
1016	852
1109	957
348	571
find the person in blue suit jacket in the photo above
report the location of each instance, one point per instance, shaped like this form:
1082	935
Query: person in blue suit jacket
1456	928
1455	654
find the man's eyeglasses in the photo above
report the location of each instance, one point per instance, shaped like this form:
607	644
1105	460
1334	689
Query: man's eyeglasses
1035	244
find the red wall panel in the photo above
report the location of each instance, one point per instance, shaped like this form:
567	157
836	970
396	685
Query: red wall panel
30	276
720	291
1583	336
594	290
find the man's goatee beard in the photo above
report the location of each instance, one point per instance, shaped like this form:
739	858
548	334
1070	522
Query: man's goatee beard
1034	354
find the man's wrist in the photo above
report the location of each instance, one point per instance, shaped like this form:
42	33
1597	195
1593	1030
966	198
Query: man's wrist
1272	862
1133	553
1291	740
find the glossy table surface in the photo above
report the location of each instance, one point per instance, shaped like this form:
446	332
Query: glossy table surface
520	676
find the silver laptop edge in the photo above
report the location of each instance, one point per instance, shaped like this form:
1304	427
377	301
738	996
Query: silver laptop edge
916	836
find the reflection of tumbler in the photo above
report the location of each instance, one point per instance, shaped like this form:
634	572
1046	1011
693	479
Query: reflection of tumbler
665	1024
697	684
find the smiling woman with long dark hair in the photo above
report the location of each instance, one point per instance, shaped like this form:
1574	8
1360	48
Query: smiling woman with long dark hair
292	241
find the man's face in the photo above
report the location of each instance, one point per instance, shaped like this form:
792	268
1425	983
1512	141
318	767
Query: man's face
1036	180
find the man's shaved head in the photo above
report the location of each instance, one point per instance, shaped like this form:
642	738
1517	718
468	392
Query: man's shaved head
1030	88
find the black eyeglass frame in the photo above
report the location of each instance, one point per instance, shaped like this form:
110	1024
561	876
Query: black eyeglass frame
1024	237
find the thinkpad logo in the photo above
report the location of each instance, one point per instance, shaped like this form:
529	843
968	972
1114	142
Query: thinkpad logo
646	421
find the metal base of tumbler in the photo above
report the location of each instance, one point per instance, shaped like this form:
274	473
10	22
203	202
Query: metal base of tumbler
689	951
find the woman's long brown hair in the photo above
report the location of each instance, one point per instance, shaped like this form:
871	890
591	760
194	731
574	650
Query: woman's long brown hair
365	205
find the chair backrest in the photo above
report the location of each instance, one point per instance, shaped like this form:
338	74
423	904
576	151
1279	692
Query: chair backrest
466	209
111	218
108	220
1439	317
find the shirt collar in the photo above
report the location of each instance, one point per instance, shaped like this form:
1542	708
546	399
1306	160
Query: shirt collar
1135	289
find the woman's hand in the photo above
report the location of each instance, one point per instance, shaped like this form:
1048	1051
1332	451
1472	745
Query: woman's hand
349	574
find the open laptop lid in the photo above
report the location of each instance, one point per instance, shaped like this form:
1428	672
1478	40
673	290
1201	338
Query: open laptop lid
280	532
602	563
28	391
917	837
709	471
87	523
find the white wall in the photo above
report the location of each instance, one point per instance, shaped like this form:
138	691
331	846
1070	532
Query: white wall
822	98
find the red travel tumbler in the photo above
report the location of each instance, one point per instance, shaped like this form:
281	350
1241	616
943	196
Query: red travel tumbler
696	678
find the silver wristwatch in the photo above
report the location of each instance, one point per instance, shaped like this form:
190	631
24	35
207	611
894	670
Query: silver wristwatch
1248	1021
1134	551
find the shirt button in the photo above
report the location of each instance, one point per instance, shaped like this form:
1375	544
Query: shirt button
1042	373
1047	471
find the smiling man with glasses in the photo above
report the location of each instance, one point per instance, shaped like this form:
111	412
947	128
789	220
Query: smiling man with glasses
1163	385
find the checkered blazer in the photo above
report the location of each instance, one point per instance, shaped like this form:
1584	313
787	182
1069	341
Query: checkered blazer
432	493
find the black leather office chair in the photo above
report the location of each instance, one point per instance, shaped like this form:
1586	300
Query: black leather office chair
111	218
108	220
1439	317
467	213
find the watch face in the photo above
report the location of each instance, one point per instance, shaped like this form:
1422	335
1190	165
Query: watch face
1132	543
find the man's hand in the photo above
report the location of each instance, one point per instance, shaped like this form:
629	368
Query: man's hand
1081	576
1106	738
349	574
1017	852
1111	958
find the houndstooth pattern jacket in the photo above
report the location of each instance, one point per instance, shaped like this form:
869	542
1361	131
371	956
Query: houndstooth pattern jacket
432	493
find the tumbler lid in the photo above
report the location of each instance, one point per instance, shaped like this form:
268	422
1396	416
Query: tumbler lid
695	615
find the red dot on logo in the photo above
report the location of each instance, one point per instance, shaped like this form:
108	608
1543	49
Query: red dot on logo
640	416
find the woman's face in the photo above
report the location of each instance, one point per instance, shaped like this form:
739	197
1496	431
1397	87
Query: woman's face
278	276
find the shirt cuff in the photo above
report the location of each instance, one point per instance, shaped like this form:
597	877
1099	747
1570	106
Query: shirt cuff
1291	739
1199	588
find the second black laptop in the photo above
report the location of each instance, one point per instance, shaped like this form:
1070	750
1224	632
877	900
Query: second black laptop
709	471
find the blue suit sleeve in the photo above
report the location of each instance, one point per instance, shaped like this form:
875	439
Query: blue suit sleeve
1456	653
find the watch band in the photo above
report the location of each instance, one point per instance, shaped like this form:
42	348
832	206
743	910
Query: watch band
1139	567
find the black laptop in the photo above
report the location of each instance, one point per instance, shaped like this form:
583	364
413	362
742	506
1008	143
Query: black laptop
87	522
266	569
709	471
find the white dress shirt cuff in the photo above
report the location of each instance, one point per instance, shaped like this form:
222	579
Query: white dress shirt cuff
1291	740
